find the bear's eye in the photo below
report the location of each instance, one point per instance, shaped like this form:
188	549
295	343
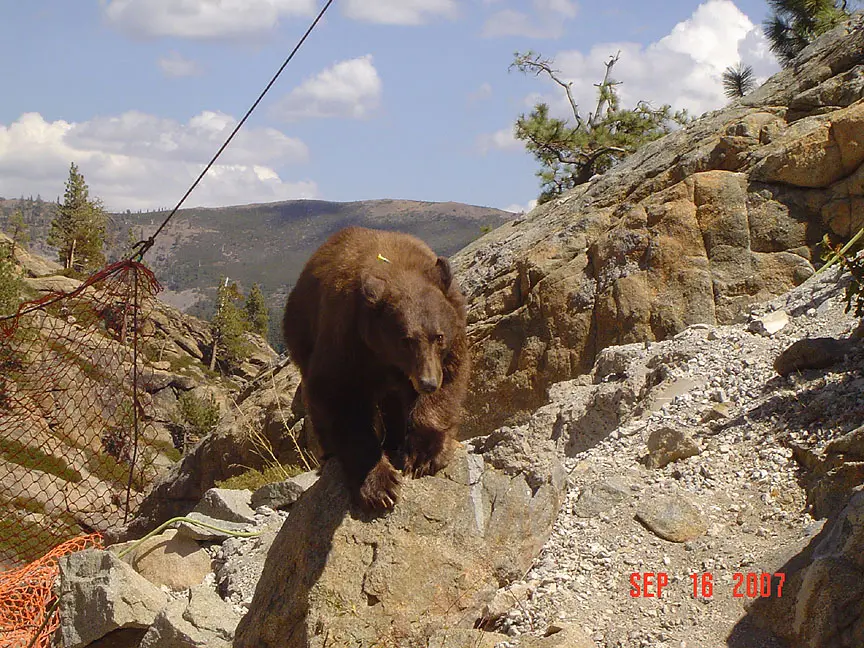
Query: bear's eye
439	339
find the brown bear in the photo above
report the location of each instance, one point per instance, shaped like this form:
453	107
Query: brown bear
376	324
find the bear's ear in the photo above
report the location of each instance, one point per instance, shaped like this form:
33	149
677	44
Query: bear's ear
442	265
373	288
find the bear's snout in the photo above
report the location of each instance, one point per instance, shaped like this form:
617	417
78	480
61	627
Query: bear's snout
428	384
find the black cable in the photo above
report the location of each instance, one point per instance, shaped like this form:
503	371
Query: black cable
146	244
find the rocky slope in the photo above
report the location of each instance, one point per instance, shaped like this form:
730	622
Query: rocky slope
66	408
266	414
755	459
688	456
691	229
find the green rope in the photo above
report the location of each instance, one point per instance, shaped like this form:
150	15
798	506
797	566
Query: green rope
834	258
161	527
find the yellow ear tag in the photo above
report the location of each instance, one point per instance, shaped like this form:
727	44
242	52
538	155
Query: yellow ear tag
382	258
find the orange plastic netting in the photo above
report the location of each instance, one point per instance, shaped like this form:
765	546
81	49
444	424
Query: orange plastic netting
27	595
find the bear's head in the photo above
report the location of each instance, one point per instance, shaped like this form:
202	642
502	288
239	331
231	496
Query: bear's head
409	323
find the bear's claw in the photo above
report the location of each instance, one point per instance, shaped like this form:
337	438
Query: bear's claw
423	459
380	489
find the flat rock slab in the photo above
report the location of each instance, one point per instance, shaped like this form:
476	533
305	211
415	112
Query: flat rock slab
171	559
227	504
99	593
280	495
600	497
337	578
57	283
668	391
559	635
672	518
770	323
812	353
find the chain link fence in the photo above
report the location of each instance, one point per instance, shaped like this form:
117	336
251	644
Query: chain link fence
76	449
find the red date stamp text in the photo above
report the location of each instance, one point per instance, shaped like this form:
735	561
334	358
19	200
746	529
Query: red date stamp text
744	584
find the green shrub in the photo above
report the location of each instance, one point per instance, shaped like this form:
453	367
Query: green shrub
34	459
198	417
27	540
28	504
166	449
254	479
10	283
109	469
183	363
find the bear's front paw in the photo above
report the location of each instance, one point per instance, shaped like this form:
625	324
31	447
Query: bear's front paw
427	458
379	490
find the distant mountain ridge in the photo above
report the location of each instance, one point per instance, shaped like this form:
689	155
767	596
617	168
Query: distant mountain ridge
267	243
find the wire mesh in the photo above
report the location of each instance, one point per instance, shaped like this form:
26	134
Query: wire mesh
76	448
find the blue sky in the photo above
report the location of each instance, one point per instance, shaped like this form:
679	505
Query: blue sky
388	98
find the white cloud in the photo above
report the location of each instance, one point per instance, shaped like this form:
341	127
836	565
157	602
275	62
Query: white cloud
546	20
565	8
481	93
349	89
140	135
175	65
500	140
509	22
399	12
755	51
521	209
202	18
138	161
683	68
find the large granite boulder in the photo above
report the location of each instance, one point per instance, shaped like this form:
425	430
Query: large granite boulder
693	228
100	594
336	578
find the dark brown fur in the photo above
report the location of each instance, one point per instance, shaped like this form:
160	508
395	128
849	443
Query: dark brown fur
383	353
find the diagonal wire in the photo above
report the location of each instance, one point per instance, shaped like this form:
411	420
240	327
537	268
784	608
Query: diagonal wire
146	244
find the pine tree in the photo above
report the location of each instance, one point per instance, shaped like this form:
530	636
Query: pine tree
78	230
255	310
738	80
794	24
10	283
228	327
570	154
18	231
131	239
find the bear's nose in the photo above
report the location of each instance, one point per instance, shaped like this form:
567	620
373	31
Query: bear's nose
428	385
